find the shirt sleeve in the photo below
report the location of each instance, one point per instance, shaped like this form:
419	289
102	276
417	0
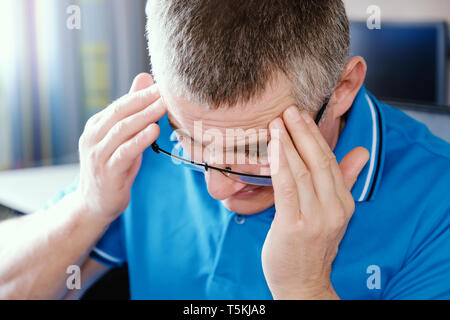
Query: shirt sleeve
426	273
110	249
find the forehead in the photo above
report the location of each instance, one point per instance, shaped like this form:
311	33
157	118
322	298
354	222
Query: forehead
255	114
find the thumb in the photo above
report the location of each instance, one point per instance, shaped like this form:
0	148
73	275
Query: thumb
352	164
141	81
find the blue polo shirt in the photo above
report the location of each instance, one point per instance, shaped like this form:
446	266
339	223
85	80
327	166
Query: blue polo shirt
180	243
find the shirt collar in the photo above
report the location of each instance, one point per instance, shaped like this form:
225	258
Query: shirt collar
364	128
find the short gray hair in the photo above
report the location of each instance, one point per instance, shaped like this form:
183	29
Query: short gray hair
222	52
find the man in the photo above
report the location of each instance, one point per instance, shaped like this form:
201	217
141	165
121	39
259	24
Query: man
356	207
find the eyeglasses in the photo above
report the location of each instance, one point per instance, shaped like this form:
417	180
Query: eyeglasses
247	178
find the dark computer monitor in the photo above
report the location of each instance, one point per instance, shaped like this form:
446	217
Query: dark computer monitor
406	61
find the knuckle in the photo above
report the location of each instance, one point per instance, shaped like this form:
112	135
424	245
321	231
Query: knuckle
97	175
339	221
92	120
93	156
288	190
302	175
109	167
324	162
334	230
119	128
350	203
331	156
347	202
119	153
315	230
116	110
117	156
124	151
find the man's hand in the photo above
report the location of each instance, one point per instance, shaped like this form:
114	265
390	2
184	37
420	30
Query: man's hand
313	207
111	148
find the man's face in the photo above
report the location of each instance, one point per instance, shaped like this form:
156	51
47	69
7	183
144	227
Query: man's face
226	123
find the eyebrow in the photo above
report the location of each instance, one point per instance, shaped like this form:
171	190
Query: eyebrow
247	146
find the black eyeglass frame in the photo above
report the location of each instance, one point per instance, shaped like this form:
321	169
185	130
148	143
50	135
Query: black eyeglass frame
206	166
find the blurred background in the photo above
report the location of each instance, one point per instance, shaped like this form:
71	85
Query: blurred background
54	77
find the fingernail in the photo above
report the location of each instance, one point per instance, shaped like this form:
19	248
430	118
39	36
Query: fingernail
151	127
307	117
276	124
292	112
276	128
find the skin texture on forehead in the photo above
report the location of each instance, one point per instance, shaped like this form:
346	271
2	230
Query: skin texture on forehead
256	114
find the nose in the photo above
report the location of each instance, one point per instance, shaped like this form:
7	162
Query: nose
219	186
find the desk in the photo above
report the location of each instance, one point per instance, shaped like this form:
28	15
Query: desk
27	190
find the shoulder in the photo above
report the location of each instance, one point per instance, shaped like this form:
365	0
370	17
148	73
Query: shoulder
413	198
405	130
415	160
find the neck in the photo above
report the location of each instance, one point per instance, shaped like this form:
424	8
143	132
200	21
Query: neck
336	131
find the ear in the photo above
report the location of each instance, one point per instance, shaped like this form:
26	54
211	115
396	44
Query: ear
349	84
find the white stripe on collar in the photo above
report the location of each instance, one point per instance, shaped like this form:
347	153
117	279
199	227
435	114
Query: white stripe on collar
372	151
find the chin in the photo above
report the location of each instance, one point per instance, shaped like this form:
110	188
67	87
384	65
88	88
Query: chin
262	199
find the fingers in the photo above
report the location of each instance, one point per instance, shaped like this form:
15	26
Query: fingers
300	173
352	164
111	159
127	128
332	182
118	135
317	161
142	81
285	188
126	154
125	107
342	190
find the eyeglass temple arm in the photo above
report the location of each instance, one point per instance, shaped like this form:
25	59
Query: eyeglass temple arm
321	111
157	149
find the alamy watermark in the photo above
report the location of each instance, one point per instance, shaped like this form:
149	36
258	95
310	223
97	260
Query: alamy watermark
73	281
374	19
374	280
73	21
